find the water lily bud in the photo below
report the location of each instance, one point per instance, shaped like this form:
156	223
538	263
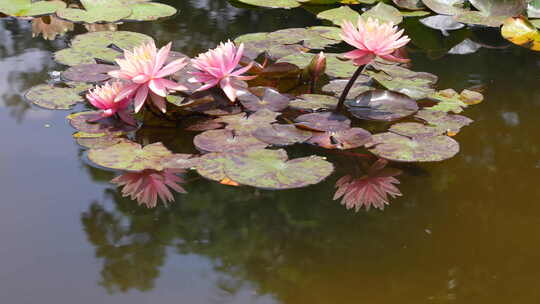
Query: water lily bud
317	66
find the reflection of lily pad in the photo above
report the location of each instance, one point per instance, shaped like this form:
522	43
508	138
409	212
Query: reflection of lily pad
130	156
226	141
314	102
89	72
270	169
343	140
29	8
403	149
259	98
56	98
281	135
323	122
382	105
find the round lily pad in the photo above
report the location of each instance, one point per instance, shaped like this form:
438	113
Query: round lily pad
343	140
258	98
385	13
337	86
445	7
29	8
323	122
56	98
95	11
270	169
281	135
99	142
180	161
92	73
149	11
338	15
382	105
226	141
508	8
212	166
130	156
448	123
272	3
399	148
414	129
314	102
86	122
245	124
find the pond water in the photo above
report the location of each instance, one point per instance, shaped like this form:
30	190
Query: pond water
467	230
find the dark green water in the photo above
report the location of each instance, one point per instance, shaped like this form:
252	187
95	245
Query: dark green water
467	230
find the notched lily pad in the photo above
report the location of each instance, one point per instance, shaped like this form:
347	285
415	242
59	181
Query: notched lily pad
399	148
337	86
270	169
415	129
84	122
92	73
212	166
258	98
56	98
382	105
130	156
323	122
343	140
281	135
314	102
447	123
226	141
30	8
245	124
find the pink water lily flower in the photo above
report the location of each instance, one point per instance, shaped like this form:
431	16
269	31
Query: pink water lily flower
372	39
103	97
148	185
144	67
217	67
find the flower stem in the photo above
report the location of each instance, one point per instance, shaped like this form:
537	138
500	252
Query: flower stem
348	87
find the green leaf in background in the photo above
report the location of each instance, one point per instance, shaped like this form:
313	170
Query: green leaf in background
29	8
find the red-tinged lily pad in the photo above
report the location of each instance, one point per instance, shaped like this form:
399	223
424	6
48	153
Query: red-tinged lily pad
270	169
281	135
399	148
258	98
415	129
245	124
86	122
314	102
130	156
212	166
56	98
92	73
99	142
226	141
337	86
448	123
343	140
180	161
201	124
382	105
323	122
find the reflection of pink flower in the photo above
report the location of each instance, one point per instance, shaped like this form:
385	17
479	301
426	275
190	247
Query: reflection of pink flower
103	98
149	185
217	66
371	39
369	190
144	68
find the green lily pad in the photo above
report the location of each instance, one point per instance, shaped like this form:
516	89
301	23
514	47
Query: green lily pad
258	98
347	139
99	142
323	122
281	135
447	123
399	148
337	15
226	141
474	17
29	8
415	130
337	86
335	67
384	13
270	169
272	3
445	7
414	87
87	47
409	4
244	124
148	11
314	102
92	73
447	101
382	105
96	11
56	98
508	8
130	156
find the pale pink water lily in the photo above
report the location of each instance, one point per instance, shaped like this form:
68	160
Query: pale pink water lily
218	67
369	190
104	98
372	38
144	67
148	185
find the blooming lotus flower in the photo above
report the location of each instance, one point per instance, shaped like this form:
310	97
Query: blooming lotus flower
372	39
217	67
369	190
144	67
148	185
103	98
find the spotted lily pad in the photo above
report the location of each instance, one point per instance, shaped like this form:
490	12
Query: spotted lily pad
399	148
92	73
258	98
447	101
87	47
270	169
99	142
337	86
226	141
29	8
212	166
382	105
314	102
56	98
281	135
323	122
130	156
447	123
343	140
148	11
245	124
